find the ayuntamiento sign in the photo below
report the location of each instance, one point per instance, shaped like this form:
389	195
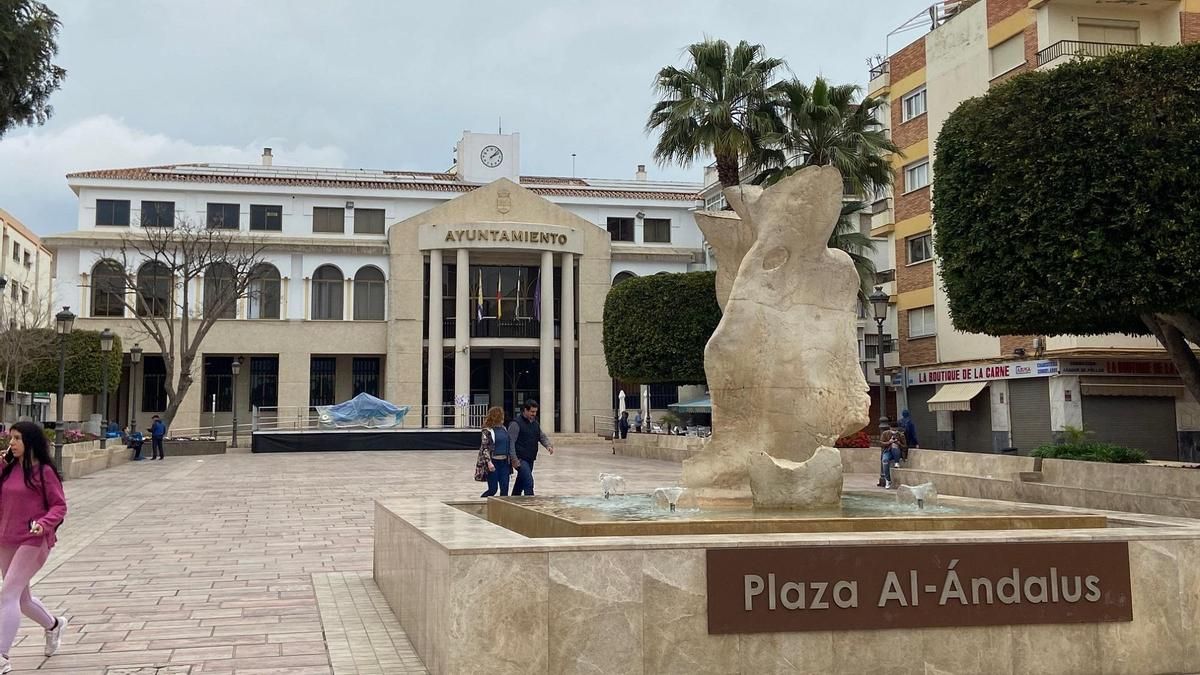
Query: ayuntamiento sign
770	590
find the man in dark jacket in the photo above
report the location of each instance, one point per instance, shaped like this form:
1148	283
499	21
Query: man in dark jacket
158	431
526	434
909	429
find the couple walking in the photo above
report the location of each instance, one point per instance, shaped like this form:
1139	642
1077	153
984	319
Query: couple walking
502	450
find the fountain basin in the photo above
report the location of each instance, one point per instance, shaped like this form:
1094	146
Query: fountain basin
636	515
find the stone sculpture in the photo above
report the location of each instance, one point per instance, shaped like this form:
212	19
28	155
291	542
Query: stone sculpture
782	366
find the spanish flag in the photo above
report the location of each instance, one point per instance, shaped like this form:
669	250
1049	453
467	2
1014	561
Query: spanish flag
479	303
499	297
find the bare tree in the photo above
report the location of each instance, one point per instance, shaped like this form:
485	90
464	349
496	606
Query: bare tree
22	344
154	274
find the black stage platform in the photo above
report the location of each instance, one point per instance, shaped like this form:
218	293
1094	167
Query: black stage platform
346	440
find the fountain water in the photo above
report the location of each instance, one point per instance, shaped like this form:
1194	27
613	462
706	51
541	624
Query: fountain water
612	484
668	495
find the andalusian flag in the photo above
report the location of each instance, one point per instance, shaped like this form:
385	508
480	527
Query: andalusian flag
499	297
479	303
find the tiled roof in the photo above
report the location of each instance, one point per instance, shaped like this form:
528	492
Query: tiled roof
17	225
550	186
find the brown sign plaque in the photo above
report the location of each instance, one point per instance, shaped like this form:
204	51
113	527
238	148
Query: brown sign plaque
774	590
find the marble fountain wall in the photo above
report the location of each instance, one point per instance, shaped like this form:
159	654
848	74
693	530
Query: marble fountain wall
475	597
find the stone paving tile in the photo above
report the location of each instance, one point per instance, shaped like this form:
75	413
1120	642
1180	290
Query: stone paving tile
361	633
228	565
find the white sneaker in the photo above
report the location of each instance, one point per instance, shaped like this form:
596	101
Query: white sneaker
888	486
53	638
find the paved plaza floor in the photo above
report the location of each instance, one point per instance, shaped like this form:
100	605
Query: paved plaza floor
253	563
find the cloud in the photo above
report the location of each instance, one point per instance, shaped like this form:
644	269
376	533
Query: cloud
33	164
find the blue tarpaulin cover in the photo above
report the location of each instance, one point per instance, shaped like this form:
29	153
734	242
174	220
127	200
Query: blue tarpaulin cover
363	410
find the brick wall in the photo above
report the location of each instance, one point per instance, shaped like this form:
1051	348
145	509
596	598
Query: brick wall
1031	46
918	352
999	10
1189	27
911	278
912	203
904	63
1010	342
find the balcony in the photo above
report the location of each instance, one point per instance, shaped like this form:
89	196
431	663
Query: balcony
500	328
1078	49
880	77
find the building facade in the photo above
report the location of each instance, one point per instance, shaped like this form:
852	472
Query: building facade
427	289
1121	388
26	301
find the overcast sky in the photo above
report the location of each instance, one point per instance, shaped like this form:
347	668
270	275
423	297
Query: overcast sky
392	84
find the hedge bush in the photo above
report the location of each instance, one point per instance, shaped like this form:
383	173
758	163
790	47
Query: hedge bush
656	327
1092	452
83	365
1067	201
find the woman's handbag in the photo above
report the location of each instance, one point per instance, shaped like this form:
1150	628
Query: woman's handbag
481	462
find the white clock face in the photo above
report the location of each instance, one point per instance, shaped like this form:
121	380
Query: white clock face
491	156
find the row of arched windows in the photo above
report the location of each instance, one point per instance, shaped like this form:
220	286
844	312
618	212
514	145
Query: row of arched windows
264	294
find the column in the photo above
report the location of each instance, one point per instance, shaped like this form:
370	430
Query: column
284	288
462	332
546	344
1001	419
1066	404
348	309
566	348
433	379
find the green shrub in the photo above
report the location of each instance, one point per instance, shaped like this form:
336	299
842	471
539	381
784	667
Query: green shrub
83	367
1092	452
655	327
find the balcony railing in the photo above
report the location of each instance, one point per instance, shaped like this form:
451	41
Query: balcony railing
880	70
500	328
1077	48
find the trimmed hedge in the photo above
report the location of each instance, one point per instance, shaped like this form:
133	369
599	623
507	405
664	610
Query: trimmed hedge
83	365
1092	452
1068	201
656	327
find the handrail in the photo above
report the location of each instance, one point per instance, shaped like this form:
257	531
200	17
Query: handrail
880	70
1080	48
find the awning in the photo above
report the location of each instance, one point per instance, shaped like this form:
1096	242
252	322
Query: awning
955	396
1131	386
702	405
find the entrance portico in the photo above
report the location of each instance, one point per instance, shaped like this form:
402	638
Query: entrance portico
514	289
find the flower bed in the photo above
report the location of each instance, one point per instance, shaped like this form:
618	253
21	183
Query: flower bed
855	440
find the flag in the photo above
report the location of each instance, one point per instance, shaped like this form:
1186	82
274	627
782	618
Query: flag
518	309
479	303
537	299
499	297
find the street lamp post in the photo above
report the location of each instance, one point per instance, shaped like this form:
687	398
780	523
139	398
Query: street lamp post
3	284
237	368
879	305
64	321
135	357
106	344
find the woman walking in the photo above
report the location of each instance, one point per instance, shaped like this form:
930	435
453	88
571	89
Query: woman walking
32	505
495	450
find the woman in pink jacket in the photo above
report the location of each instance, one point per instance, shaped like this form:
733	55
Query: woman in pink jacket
32	505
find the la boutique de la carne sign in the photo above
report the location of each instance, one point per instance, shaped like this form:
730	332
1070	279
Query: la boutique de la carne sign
506	235
770	590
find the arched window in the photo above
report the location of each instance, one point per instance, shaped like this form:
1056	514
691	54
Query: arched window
154	289
108	289
264	292
369	294
327	295
623	276
220	291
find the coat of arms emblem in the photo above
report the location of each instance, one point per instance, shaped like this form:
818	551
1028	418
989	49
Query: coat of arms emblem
503	201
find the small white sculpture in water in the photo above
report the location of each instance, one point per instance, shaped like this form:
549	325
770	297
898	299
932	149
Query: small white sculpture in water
612	484
921	495
782	365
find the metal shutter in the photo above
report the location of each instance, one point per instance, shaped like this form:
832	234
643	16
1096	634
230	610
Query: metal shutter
925	421
973	430
1029	413
1144	422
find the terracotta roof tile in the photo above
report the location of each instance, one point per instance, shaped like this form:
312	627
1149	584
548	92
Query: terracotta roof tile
553	186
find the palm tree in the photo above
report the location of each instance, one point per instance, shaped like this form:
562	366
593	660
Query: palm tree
825	125
822	125
719	104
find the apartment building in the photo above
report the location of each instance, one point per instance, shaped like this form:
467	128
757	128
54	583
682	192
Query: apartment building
975	392
423	288
26	301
